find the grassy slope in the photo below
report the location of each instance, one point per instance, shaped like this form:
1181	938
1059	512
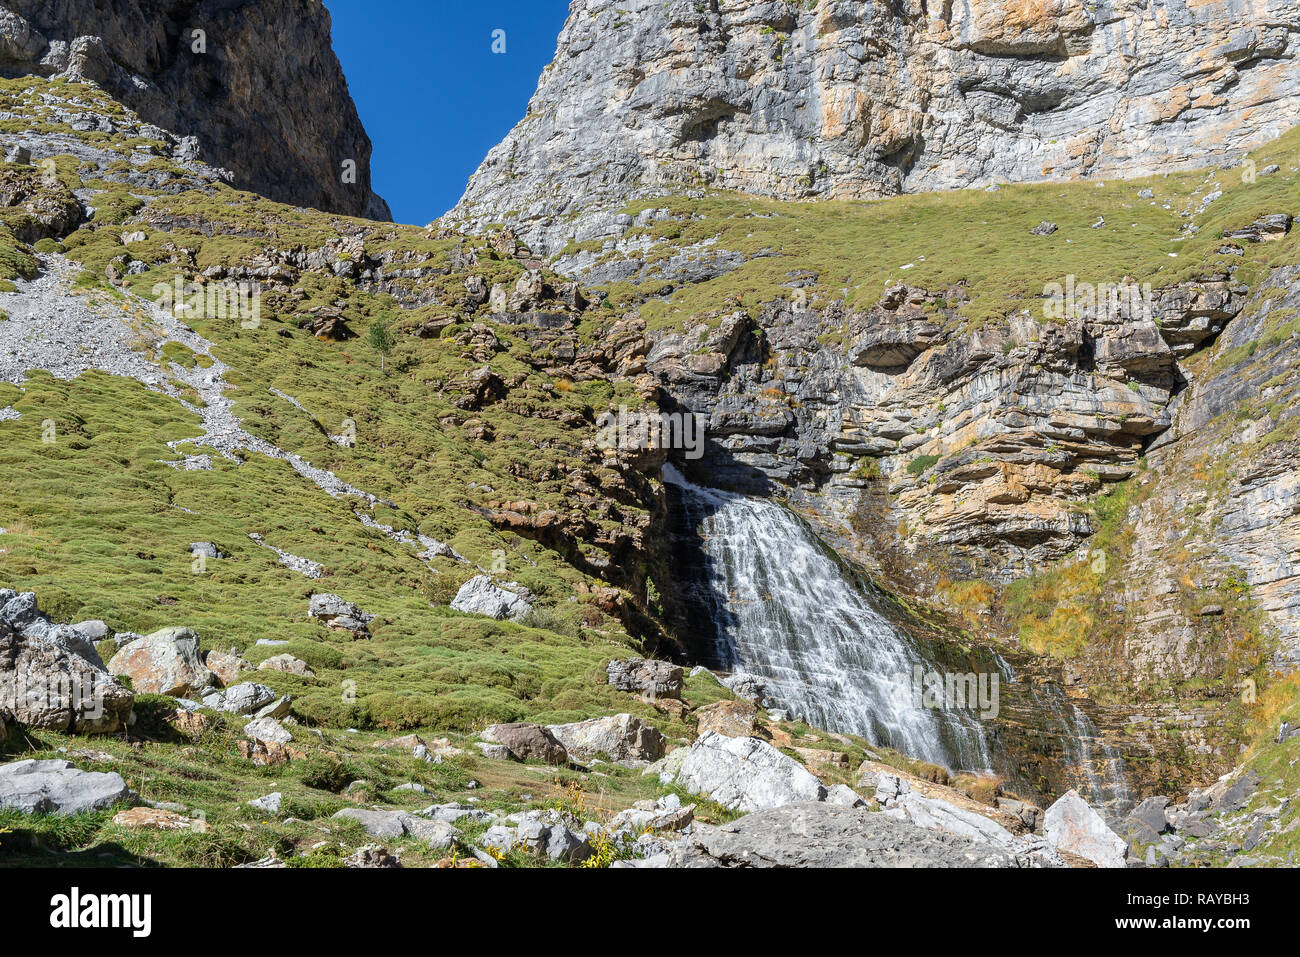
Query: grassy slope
95	529
857	249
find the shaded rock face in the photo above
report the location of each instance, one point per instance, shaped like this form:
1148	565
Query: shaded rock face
266	99
51	676
860	100
1241	419
984	441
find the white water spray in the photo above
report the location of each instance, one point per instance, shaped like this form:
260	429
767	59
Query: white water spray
786	609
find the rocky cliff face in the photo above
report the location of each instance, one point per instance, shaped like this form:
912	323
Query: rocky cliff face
838	99
259	88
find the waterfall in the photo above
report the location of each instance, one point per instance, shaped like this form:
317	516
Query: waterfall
1099	778
784	607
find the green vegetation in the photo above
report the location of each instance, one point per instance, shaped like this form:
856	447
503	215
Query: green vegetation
981	239
921	464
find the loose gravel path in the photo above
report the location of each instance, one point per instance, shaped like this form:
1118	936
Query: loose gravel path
67	331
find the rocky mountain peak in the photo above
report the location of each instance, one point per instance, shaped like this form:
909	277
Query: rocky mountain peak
256	84
850	100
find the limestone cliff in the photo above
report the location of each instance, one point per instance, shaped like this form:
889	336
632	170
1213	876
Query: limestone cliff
259	85
838	99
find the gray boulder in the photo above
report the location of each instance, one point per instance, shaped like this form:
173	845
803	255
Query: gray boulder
935	814
494	752
451	813
268	731
844	796
1238	794
656	679
539	832
1272	226
18	153
526	741
480	596
1151	813
56	787
395	824
339	615
1072	826
826	835
205	549
270	804
620	738
51	676
666	814
746	774
94	630
245	698
287	664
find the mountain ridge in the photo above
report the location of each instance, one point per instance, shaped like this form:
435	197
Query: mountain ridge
842	100
257	86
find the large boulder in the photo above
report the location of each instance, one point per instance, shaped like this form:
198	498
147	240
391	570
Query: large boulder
935	814
165	662
56	787
525	741
735	719
481	596
746	774
655	679
339	615
828	835
246	698
1074	827
621	737
1151	814
51	676
267	731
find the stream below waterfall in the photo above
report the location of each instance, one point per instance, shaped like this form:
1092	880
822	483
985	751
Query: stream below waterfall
783	606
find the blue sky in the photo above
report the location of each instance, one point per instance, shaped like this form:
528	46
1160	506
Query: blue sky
432	94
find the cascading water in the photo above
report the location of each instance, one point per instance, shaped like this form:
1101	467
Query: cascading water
786	608
1100	777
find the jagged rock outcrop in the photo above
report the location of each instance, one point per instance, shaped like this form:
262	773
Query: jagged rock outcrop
259	91
859	100
1225	489
984	438
51	676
